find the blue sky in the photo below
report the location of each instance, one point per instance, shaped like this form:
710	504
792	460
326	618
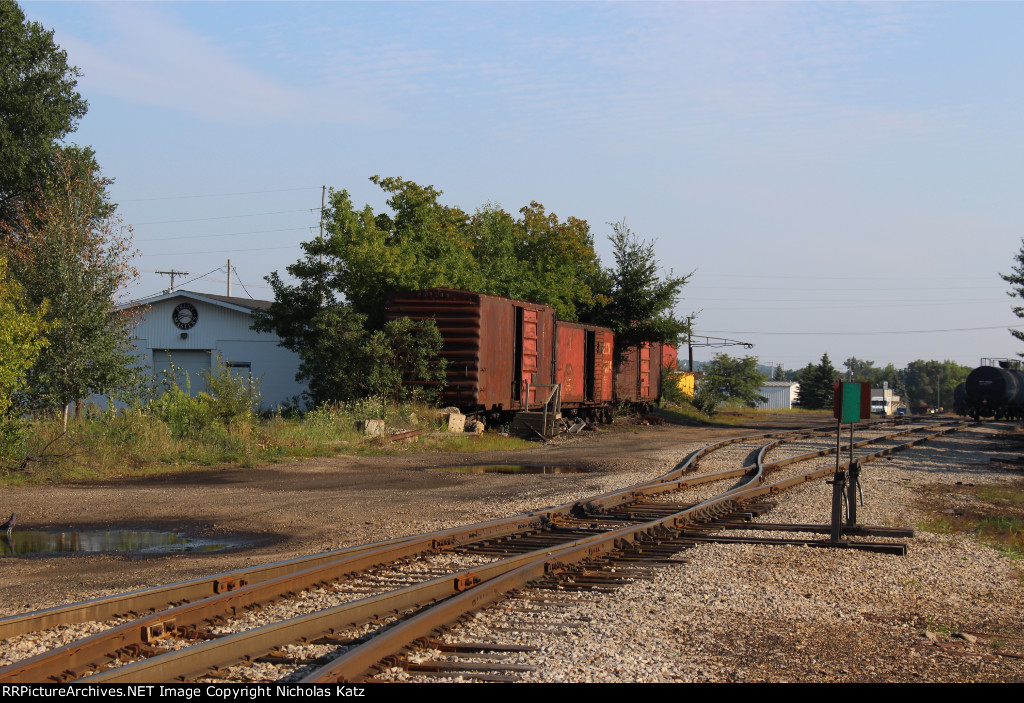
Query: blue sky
842	178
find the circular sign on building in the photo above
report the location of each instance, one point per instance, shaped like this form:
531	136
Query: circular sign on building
185	316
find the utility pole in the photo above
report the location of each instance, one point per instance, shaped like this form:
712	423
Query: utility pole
229	278
323	204
172	273
716	342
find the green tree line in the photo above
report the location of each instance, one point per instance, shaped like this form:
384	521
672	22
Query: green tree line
921	383
333	316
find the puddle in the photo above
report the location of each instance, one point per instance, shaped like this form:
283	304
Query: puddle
513	469
139	541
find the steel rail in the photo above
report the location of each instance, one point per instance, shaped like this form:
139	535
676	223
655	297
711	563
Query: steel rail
170	595
200	658
481	584
664	485
60	663
241	592
92	650
360	661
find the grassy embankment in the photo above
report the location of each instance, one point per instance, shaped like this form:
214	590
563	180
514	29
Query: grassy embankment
190	435
735	415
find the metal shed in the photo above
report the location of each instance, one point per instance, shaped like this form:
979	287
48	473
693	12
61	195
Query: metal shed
780	394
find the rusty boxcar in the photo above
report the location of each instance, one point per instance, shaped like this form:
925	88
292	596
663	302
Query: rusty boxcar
504	355
583	358
498	349
638	375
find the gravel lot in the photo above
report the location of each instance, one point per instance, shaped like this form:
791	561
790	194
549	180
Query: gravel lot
949	611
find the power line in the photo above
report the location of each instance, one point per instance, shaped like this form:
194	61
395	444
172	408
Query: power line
696	286
226	234
191	280
830	334
841	278
222	251
242	284
879	302
225	217
215	195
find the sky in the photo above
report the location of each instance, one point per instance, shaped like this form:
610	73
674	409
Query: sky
839	178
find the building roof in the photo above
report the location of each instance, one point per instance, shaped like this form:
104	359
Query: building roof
223	300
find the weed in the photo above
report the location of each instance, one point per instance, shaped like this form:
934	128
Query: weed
937	524
992	515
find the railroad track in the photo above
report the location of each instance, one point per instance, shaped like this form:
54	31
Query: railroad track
338	616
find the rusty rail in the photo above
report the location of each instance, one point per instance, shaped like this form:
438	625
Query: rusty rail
455	595
238	593
162	597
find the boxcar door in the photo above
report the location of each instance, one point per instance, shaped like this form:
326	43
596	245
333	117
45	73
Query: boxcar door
589	366
530	359
645	371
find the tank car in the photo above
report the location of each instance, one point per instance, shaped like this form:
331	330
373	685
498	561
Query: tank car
960	399
995	392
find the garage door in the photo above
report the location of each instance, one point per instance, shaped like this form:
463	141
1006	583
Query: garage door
190	367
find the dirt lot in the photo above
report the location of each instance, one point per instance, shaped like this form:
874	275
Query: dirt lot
309	506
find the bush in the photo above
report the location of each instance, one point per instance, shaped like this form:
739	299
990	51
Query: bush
231	398
12	443
706	400
229	401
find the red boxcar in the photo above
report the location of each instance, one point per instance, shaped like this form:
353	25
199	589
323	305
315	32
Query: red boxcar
669	357
502	352
498	349
638	375
583	364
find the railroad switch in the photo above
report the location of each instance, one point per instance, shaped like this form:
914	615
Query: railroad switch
154	632
228	584
464	582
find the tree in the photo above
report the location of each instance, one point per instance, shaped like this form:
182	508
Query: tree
341	359
816	385
932	382
67	251
642	302
22	337
333	317
728	378
555	262
420	244
38	103
406	361
1016	281
860	370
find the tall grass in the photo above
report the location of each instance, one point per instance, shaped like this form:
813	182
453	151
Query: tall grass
180	432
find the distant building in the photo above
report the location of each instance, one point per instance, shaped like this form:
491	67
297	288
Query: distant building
884	401
188	329
684	381
780	394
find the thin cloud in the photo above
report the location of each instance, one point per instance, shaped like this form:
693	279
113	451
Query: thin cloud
151	59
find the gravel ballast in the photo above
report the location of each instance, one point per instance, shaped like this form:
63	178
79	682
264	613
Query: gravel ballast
949	611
